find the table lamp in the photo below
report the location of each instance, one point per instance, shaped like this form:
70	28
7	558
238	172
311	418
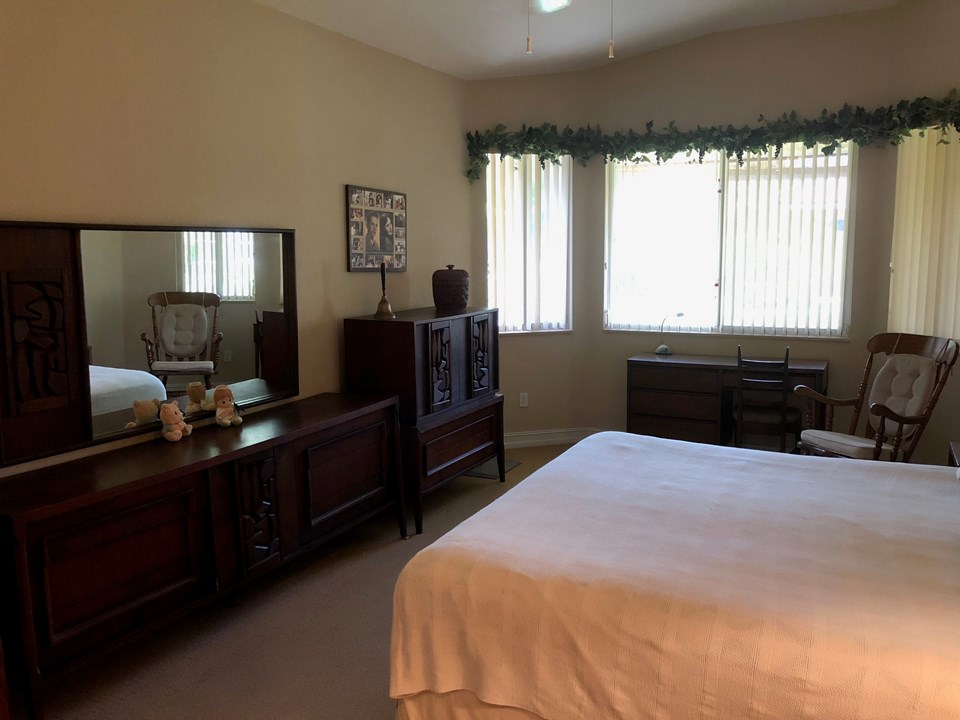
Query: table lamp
662	348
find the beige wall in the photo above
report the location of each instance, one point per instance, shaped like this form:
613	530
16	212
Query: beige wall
577	380
226	113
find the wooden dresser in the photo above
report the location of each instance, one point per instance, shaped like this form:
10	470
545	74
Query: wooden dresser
100	550
445	369
690	397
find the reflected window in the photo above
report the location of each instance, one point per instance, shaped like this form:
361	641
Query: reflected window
218	262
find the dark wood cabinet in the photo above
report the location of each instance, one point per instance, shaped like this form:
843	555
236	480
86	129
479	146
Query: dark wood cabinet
99	550
4	694
445	369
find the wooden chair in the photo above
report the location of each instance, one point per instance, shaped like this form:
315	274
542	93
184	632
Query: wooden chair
185	336
761	405
901	400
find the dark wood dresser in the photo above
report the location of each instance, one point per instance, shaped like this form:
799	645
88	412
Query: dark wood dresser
445	369
690	397
100	550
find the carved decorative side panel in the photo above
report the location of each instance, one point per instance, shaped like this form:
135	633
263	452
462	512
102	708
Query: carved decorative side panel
480	358
37	341
441	368
259	525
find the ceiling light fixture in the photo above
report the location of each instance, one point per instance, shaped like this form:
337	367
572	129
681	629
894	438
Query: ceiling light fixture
529	41
550	6
610	44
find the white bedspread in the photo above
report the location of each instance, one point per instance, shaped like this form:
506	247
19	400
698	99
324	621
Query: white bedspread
637	578
114	389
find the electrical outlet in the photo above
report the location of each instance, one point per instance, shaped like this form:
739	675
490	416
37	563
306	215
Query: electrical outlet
523	400
228	355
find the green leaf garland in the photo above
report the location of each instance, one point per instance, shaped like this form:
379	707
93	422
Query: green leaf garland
890	124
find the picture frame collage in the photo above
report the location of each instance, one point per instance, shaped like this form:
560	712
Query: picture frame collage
376	229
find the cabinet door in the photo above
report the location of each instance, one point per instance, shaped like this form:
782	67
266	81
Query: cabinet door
441	367
347	473
44	385
482	359
105	570
257	509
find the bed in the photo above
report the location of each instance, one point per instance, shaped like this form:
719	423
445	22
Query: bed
635	577
113	389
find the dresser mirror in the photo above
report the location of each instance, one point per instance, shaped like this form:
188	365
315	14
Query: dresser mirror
75	303
250	271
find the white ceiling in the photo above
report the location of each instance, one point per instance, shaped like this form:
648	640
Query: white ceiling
475	39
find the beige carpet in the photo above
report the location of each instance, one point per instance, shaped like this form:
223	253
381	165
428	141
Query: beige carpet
311	642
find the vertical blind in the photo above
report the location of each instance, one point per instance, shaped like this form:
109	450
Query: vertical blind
528	242
785	235
218	262
925	255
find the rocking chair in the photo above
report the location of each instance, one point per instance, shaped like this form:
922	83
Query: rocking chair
185	336
901	400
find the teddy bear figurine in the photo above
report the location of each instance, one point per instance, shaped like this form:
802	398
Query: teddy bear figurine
227	412
144	411
174	427
197	392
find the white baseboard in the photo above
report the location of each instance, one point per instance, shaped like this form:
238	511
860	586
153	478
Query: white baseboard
538	438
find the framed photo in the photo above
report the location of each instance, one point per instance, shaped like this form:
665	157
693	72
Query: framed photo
376	229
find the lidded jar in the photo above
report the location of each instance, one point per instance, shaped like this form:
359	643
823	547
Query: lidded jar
451	288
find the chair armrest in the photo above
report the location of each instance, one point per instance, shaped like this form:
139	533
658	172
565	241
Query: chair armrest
809	392
886	413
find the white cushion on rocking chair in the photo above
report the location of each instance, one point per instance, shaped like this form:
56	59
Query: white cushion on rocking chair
852	446
184	366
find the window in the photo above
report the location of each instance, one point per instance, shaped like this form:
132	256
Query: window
528	243
757	248
218	262
925	256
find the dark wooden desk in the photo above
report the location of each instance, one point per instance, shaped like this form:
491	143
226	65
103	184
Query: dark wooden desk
690	397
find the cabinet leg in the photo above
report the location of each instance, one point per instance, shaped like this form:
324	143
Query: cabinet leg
418	512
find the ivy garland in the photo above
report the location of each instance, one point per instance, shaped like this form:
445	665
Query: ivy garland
889	124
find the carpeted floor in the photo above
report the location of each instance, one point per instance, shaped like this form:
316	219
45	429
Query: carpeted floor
310	643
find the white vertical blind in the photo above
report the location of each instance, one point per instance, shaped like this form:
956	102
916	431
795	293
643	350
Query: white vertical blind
528	242
925	255
785	242
218	262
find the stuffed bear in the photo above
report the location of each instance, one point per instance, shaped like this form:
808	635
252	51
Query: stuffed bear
197	393
144	411
174	427
227	412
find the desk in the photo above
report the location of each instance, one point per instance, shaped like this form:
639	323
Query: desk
690	397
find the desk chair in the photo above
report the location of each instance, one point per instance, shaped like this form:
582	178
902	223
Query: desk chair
761	399
185	337
900	402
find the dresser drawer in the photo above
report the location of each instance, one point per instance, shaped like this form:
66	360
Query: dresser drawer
660	378
675	404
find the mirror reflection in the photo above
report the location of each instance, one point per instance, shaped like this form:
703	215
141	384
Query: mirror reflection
168	308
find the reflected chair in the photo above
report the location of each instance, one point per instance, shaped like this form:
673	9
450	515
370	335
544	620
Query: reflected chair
761	404
901	400
185	336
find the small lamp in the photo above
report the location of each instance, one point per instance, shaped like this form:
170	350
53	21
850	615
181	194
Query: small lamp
662	348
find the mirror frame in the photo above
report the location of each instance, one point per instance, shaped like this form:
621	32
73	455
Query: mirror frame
258	391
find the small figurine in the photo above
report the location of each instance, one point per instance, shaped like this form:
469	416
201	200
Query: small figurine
174	427
227	411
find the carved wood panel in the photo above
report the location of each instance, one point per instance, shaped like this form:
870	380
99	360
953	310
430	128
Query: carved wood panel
441	367
480	356
37	341
259	525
